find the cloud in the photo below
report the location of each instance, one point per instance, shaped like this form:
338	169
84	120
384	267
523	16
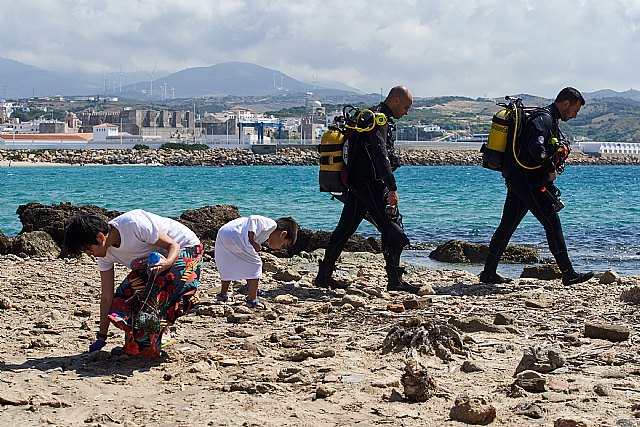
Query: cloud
435	47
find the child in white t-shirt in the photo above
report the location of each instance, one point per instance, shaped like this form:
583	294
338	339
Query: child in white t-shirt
154	294
236	251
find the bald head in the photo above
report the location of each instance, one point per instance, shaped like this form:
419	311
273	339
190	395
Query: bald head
399	101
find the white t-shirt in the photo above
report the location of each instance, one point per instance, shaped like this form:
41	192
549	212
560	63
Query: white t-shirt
139	230
236	258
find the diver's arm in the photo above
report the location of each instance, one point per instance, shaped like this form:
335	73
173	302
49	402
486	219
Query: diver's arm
380	157
393	199
538	133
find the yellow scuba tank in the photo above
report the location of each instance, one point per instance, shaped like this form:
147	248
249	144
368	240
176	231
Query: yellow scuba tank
331	161
493	150
499	131
335	148
507	127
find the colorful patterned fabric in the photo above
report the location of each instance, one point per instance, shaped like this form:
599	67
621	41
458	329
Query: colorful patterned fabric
143	308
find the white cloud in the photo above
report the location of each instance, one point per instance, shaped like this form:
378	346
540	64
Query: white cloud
436	47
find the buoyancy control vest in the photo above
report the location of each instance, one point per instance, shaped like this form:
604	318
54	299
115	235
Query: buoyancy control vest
336	145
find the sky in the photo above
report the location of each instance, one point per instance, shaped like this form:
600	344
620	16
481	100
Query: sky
434	47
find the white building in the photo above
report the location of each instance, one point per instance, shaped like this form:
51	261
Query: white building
243	114
103	131
44	141
6	108
610	148
432	128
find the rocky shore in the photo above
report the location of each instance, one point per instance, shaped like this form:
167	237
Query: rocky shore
528	353
531	353
43	227
240	157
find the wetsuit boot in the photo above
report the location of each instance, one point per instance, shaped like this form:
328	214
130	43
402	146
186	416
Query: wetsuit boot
493	278
395	282
569	275
395	272
324	279
489	274
573	278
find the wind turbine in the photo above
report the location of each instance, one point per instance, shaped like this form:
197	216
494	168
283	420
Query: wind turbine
135	75
151	81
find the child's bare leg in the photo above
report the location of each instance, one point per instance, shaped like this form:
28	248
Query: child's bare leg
252	289
224	291
225	287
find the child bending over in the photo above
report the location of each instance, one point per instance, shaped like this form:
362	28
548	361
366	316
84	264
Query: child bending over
237	245
153	295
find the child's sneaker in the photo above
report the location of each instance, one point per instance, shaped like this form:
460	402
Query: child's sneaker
256	304
245	290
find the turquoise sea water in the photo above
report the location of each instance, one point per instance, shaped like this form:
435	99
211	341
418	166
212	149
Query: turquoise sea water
601	219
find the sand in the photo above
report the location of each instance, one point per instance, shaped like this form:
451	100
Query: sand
315	357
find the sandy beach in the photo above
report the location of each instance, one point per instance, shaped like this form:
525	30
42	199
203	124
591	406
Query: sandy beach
322	358
8	163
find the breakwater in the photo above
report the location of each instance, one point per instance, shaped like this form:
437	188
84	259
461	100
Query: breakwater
243	157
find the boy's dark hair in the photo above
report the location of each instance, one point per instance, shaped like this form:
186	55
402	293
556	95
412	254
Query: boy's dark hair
289	225
81	231
570	94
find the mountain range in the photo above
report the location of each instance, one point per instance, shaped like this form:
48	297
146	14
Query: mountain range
18	80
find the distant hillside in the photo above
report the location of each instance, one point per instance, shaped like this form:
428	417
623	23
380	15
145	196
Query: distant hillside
18	80
608	93
601	119
228	78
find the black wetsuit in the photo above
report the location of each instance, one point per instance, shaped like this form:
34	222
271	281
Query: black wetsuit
370	179
524	190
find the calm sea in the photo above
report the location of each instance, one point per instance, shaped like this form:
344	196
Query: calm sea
601	219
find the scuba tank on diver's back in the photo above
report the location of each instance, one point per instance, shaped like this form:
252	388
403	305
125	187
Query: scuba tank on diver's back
332	160
493	150
506	128
336	146
506	134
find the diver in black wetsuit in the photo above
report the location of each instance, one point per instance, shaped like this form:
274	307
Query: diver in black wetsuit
530	189
372	188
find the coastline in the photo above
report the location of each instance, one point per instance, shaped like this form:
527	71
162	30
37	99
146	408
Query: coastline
9	164
243	157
